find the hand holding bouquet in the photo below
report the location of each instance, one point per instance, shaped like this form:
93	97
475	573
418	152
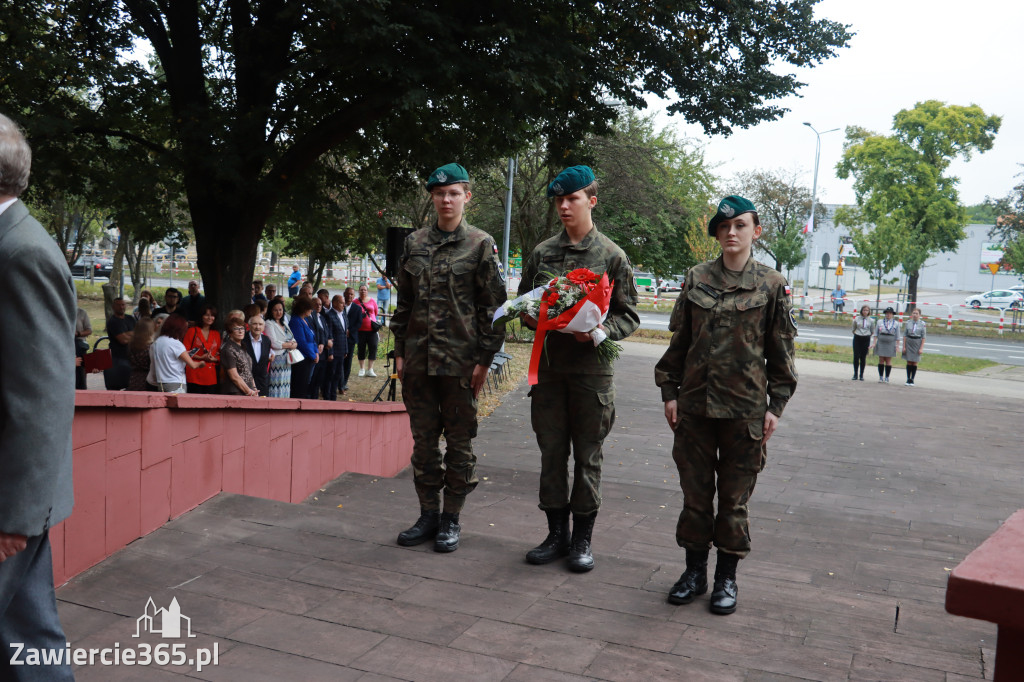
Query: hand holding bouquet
575	302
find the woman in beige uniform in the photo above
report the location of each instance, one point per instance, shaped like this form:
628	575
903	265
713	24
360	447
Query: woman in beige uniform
913	343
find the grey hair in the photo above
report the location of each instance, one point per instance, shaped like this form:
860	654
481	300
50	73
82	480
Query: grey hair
15	159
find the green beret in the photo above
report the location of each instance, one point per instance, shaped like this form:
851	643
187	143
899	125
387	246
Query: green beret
572	179
447	175
730	207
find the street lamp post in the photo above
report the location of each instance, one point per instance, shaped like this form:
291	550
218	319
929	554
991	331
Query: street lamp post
814	200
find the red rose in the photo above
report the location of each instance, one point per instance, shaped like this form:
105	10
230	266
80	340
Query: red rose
581	276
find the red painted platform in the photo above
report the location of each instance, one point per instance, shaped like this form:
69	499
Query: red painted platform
141	459
989	585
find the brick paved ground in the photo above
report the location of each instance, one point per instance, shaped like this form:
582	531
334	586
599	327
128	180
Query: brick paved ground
872	493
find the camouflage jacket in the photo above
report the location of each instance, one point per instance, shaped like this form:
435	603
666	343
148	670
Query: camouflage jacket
730	345
449	286
557	256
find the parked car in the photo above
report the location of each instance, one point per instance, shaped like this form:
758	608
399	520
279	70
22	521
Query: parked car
997	298
668	285
100	267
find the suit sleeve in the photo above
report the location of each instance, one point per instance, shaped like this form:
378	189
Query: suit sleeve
37	385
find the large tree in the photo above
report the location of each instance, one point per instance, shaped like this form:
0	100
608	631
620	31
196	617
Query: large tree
1008	227
652	185
783	204
880	249
901	178
247	95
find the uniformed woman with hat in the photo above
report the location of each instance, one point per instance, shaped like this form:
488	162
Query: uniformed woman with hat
733	344
913	343
863	330
886	342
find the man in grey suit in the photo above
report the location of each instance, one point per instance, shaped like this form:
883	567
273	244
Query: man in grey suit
37	404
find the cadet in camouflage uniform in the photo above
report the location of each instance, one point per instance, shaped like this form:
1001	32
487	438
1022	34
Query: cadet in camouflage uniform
449	286
574	399
732	346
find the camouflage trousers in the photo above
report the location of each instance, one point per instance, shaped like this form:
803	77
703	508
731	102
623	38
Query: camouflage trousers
441	406
723	455
572	411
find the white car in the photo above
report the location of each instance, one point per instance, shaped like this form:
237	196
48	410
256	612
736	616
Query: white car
997	298
668	285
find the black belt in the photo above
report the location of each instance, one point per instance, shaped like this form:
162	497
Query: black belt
913	337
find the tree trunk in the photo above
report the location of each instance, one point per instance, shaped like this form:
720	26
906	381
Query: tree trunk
112	289
912	291
311	266
878	292
134	253
226	242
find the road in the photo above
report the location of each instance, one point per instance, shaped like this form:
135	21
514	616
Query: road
1004	352
936	304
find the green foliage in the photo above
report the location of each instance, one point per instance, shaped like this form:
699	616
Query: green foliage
900	180
1013	255
532	218
1009	227
982	214
879	250
789	249
245	97
783	204
651	187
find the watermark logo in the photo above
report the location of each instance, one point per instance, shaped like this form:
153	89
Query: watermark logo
168	623
164	622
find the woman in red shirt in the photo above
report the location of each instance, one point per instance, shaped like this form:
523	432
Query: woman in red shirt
203	343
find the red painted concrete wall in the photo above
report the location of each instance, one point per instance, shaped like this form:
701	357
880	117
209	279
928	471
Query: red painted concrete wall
141	459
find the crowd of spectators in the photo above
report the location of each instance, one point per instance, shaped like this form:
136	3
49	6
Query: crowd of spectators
263	349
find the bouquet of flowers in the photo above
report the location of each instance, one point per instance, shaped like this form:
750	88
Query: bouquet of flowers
577	301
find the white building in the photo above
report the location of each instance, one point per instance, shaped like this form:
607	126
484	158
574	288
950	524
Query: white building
962	270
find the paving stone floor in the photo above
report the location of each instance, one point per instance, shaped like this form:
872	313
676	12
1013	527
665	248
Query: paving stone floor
871	495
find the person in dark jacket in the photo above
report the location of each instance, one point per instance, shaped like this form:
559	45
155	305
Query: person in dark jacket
337	325
319	376
257	345
355	320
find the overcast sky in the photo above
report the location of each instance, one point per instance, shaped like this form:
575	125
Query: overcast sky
904	52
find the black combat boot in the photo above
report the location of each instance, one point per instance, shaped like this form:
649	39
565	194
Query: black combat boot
424	529
723	597
693	581
580	558
556	544
447	539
